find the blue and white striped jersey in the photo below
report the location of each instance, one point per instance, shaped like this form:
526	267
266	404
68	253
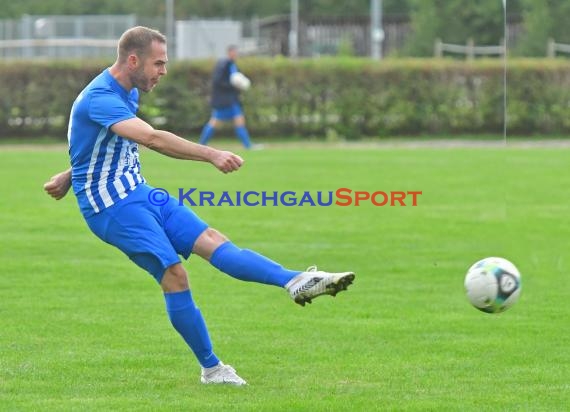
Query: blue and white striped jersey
105	167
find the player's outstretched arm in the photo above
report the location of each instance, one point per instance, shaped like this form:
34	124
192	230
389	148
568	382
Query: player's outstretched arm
58	185
172	145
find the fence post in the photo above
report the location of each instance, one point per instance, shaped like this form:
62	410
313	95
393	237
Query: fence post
503	45
470	49
27	35
438	48
551	48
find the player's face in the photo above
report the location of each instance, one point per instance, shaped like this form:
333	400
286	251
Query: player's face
150	68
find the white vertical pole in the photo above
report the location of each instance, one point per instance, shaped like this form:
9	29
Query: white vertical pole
294	32
376	32
505	35
170	24
27	34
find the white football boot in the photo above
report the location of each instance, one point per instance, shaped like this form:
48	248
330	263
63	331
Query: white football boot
312	283
221	374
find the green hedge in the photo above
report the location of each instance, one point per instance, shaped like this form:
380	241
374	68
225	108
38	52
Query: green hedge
345	97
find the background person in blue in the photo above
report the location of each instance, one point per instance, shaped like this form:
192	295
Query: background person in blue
116	202
225	101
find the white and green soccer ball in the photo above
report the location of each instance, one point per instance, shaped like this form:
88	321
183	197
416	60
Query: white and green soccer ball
493	284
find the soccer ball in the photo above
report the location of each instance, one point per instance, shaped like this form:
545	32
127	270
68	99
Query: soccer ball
239	81
493	284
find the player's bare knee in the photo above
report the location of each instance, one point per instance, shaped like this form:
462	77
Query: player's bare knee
175	279
208	242
239	121
216	236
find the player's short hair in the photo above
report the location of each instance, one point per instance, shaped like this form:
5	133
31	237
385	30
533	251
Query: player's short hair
137	40
232	47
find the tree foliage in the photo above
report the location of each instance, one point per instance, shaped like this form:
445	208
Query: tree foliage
543	20
201	8
454	21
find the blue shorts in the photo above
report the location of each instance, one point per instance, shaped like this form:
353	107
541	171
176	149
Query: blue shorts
151	236
228	112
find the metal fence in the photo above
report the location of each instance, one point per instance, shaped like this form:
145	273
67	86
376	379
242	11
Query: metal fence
331	35
33	37
49	37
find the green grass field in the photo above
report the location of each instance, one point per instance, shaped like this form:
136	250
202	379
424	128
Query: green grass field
82	328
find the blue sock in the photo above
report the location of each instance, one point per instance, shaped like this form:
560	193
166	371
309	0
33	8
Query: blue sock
207	133
243	135
244	264
188	321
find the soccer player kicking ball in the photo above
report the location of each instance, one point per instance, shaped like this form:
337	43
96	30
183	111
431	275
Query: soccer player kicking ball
104	133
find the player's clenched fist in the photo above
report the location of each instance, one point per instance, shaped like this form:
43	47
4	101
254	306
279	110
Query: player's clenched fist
58	186
227	161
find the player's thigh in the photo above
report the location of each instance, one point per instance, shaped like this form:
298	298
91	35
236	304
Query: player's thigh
182	226
137	232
